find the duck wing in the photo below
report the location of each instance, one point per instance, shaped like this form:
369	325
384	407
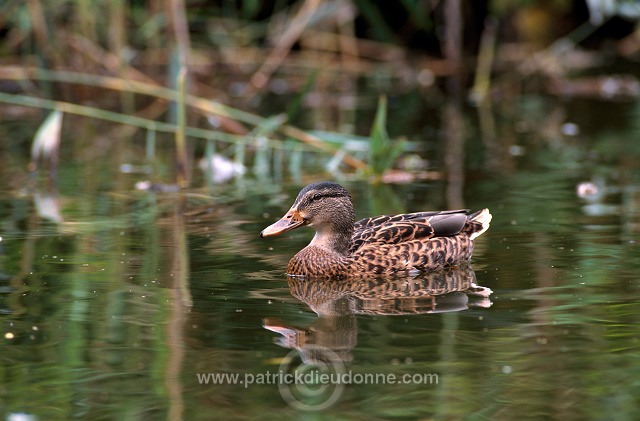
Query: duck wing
395	229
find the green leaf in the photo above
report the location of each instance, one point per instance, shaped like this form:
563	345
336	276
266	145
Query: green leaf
383	151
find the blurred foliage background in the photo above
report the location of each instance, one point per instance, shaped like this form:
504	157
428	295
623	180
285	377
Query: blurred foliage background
254	84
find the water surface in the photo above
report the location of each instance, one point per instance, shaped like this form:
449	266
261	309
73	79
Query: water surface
116	303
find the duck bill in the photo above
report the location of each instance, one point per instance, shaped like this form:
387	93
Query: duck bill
291	220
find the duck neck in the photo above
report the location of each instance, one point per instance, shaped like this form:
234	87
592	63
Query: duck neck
334	240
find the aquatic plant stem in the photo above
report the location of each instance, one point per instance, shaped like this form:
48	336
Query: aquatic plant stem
298	24
482	82
181	139
201	104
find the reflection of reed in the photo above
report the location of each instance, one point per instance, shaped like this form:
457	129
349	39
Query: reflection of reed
181	302
220	223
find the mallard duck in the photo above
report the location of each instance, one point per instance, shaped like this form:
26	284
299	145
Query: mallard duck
388	244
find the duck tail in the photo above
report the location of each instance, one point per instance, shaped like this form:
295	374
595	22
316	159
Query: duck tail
478	223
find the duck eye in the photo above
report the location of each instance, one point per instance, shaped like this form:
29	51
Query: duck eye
318	196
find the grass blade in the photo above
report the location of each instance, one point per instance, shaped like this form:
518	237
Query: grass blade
383	151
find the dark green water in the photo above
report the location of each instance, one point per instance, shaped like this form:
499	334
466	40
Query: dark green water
117	307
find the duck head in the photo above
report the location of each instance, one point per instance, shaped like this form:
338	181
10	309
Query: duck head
325	206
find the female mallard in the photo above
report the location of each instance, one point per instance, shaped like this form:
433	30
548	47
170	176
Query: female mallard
381	245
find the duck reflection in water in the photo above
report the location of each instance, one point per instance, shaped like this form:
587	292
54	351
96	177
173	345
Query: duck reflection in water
337	302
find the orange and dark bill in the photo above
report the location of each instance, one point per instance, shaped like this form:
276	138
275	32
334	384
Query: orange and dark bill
288	222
